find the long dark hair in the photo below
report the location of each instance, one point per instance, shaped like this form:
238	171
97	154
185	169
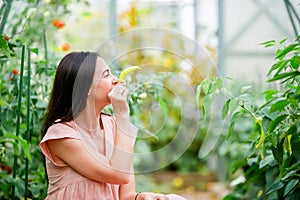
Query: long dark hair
73	78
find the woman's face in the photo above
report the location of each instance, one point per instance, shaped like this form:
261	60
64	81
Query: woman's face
103	83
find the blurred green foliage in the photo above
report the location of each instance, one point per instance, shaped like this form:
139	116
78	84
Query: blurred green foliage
262	143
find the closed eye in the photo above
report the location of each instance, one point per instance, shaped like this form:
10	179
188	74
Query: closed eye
106	73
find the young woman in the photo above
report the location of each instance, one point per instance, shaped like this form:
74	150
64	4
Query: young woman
89	154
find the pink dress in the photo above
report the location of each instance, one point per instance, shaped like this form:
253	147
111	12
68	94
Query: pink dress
64	182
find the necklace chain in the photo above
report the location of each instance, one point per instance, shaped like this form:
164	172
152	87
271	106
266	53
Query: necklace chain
91	130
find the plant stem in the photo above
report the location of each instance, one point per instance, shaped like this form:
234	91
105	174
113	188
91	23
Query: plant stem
251	113
45	45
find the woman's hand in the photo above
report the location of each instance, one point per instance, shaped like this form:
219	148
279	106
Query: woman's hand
155	196
151	196
118	97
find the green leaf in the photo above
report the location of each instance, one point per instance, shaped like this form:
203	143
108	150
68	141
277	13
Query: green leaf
23	143
231	79
295	166
4	47
207	101
163	105
198	95
269	160
296	147
278	106
234	103
230	130
282	41
291	130
225	109
281	65
86	14
268	43
246	97
289	175
238	164
275	122
295	61
205	85
292	184
35	50
267	104
235	116
203	112
3	103
275	187
269	94
253	137
233	196
286	50
285	165
272	137
219	82
35	190
245	88
41	104
277	153
284	75
144	130
275	66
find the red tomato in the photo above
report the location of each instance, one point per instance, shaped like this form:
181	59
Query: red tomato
65	47
6	38
55	22
15	71
60	24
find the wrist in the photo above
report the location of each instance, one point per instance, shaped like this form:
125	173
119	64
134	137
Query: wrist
123	117
123	122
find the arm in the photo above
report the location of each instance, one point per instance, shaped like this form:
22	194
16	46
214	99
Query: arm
73	153
127	191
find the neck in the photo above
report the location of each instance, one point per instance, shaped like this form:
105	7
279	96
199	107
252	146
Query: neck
89	117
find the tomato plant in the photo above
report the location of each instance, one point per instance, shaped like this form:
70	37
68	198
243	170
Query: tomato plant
27	68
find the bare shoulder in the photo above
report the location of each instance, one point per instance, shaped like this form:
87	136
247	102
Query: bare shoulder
64	144
63	147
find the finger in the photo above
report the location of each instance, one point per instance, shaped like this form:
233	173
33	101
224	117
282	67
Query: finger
116	90
120	88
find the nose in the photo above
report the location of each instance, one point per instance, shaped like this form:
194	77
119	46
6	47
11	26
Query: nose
115	80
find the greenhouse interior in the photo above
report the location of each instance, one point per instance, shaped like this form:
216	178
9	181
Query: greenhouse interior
212	88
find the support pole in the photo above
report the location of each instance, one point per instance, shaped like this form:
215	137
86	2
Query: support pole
221	46
112	18
7	7
14	174
28	120
288	8
196	20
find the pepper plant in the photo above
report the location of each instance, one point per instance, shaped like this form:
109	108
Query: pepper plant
269	164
